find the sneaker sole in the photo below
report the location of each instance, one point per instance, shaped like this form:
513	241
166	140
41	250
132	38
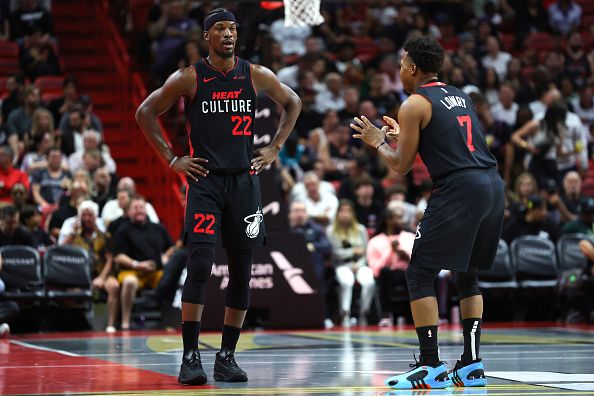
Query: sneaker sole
221	378
471	383
193	381
407	385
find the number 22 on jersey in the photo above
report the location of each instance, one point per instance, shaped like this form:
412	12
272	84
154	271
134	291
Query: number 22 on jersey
242	125
466	121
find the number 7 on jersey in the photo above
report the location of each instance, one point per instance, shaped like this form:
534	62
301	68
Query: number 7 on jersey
466	120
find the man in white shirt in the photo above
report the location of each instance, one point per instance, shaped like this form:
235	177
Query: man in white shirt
584	105
321	206
91	141
506	109
331	98
496	58
112	211
291	38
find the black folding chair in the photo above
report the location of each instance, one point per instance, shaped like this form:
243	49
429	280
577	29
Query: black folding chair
503	274
570	255
21	273
67	273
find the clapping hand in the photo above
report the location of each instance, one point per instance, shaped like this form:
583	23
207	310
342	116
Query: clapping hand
393	127
368	132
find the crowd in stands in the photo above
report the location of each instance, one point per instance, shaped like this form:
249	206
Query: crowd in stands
58	181
528	67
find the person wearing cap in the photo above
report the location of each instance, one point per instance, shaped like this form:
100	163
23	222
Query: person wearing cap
531	220
584	223
223	194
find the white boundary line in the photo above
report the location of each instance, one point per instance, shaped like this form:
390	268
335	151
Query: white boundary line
32	346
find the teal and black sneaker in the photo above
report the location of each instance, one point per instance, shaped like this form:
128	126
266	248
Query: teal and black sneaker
472	374
421	377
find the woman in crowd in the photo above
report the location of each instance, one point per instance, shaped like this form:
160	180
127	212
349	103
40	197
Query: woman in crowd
349	244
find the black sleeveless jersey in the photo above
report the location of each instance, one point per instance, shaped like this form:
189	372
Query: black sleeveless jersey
453	139
221	116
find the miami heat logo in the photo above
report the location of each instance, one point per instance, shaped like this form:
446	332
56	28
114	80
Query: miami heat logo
253	228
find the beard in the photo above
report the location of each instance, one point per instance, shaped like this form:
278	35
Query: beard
225	54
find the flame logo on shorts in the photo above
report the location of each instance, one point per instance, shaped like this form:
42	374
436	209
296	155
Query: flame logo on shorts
253	228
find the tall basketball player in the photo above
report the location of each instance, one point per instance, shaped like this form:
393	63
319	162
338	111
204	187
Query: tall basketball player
462	224
224	191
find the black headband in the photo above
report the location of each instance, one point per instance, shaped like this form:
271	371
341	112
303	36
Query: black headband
222	15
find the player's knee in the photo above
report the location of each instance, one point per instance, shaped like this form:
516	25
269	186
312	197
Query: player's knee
240	273
467	283
420	282
200	261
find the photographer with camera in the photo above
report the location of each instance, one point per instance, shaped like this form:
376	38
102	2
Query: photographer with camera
558	212
531	219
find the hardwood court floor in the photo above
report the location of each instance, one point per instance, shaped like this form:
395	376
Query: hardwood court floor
520	359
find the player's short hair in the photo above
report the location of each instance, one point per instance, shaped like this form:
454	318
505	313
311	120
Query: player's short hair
426	53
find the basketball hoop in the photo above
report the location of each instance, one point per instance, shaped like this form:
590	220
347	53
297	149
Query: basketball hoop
303	13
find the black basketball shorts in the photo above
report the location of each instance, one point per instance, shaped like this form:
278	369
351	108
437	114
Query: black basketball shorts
230	205
462	224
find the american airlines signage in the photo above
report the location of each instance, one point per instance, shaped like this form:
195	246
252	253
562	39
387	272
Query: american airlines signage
263	275
283	284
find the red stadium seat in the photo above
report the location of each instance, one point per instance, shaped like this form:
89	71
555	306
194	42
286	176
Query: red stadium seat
587	21
542	41
8	49
9	66
49	83
49	96
3	80
588	187
507	41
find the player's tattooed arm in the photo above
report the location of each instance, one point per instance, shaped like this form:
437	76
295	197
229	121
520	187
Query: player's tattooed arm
414	114
265	80
180	83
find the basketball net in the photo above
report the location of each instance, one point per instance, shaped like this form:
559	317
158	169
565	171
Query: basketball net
303	13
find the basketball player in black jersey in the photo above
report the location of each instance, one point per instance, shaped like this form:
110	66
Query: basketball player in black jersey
462	223
223	193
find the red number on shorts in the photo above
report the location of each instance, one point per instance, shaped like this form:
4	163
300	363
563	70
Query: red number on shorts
468	121
201	218
208	230
238	120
